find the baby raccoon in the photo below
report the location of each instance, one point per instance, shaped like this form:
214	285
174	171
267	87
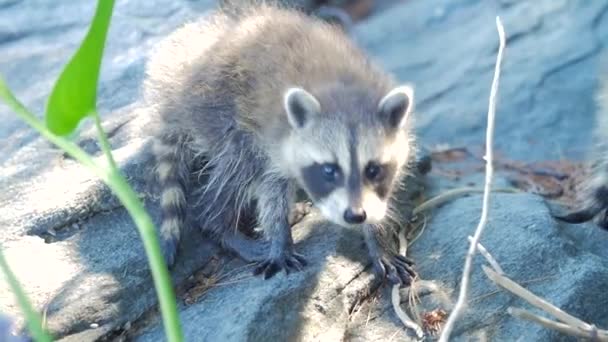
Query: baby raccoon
263	105
593	196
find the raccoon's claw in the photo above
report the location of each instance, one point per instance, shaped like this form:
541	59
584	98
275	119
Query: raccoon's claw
273	265
298	212
396	268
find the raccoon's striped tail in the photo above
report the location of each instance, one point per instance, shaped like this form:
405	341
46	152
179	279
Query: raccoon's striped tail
172	171
579	216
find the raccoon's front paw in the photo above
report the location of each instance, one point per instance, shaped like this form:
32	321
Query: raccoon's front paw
287	261
298	212
396	268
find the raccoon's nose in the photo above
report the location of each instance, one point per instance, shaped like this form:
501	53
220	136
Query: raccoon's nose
354	215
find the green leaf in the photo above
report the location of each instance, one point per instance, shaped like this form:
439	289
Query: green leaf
75	93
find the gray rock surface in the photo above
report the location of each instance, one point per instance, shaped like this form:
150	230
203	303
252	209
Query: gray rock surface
77	253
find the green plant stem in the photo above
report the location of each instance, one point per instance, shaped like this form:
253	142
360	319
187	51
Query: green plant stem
146	227
34	323
158	266
103	140
121	188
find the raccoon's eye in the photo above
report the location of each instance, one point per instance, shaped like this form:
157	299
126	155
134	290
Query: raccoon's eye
373	171
330	172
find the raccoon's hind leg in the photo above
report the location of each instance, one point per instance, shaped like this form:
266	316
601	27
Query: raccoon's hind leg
236	178
226	218
275	252
248	217
247	220
225	211
172	171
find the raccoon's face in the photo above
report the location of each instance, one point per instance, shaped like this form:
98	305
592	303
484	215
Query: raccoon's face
348	162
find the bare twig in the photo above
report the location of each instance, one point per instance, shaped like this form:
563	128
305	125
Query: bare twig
571	326
516	289
445	197
489	258
525	282
451	194
462	297
403	317
396	298
597	335
419	230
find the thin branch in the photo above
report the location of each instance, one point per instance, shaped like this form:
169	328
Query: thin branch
595	335
518	290
489	258
403	317
462	297
573	325
396	298
445	197
451	194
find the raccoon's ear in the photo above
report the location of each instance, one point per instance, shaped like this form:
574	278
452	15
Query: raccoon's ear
301	107
396	106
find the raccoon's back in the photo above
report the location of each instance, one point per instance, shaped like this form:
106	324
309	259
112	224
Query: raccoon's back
171	71
224	73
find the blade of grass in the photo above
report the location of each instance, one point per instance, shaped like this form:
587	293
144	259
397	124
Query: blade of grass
74	95
73	98
105	144
34	322
121	188
141	218
160	273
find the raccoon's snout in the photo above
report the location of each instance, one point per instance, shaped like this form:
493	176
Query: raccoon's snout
355	215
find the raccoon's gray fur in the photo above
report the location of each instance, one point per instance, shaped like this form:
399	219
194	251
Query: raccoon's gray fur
593	194
265	104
